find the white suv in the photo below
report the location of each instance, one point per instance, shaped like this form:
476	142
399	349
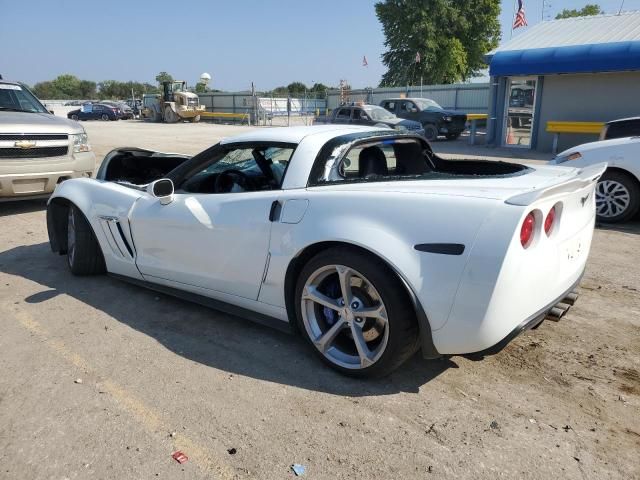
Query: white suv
38	150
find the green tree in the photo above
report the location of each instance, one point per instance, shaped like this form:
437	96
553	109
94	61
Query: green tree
163	77
586	11
201	88
451	37
44	90
296	89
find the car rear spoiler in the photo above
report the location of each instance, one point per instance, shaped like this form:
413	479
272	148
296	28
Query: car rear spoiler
584	177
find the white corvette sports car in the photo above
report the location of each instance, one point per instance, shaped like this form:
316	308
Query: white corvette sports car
363	239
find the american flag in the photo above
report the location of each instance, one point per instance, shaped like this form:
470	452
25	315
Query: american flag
520	20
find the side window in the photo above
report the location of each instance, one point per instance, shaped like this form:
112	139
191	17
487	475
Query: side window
97	108
357	114
344	113
391	106
407	106
375	161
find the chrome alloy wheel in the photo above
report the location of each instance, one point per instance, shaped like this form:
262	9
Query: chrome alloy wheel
612	198
71	236
344	316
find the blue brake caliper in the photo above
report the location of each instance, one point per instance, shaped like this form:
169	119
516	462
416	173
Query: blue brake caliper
333	290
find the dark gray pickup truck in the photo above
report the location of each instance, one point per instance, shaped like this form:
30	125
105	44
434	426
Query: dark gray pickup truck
369	115
435	120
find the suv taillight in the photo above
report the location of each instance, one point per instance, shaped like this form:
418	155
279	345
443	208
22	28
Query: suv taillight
527	229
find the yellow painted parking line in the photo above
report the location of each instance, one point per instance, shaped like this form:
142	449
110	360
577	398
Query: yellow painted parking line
146	416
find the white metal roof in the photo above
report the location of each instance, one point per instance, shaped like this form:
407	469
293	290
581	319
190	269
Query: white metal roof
577	31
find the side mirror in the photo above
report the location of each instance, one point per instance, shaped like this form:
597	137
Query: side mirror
161	189
51	112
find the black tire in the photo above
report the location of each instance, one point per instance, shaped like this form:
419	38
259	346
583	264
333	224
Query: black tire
430	132
632	187
453	136
403	340
84	256
74	117
105	117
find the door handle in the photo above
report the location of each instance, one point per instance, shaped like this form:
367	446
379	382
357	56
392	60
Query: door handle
274	212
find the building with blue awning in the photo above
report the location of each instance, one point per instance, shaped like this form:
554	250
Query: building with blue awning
584	69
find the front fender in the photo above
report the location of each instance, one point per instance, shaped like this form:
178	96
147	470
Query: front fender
99	202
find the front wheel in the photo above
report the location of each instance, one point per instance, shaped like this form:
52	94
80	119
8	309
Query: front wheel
170	116
83	251
354	312
74	117
430	132
195	119
617	197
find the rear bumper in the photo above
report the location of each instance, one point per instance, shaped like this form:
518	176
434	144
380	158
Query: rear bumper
531	322
500	297
34	178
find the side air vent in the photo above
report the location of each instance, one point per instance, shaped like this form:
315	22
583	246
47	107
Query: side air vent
116	237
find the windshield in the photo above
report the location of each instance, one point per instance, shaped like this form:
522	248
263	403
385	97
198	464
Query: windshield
19	99
426	104
379	113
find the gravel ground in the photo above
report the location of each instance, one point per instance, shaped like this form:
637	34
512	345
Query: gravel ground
101	379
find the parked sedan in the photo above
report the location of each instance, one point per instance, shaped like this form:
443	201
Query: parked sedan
363	239
618	190
95	111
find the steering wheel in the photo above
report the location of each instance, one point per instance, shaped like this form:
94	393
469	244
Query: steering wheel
226	180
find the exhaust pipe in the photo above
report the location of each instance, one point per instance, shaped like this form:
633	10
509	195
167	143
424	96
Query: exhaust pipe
570	298
555	314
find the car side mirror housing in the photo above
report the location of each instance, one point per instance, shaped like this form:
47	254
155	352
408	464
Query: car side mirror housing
161	189
51	112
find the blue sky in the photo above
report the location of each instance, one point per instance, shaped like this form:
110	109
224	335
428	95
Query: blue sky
236	41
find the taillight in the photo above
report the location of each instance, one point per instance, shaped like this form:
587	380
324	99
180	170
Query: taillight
549	221
526	232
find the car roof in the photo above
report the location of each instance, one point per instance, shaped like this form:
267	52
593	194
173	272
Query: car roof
622	120
294	134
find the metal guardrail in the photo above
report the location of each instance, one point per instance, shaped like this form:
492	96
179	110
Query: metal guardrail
226	115
558	127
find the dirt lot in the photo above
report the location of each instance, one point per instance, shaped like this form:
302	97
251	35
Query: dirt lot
101	379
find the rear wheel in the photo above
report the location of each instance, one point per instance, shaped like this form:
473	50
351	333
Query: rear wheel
617	197
105	117
430	132
83	251
353	311
195	119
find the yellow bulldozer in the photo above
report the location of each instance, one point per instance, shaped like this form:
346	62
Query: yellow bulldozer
174	104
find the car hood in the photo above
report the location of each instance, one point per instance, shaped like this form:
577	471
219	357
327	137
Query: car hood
410	124
24	122
450	112
603	144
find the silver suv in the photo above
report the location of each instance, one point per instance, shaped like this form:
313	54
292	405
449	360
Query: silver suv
38	150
